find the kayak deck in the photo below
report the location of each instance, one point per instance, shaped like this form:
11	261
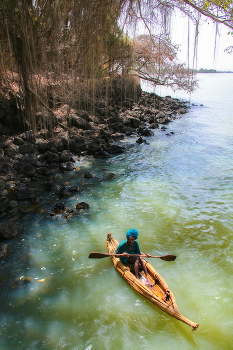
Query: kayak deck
159	294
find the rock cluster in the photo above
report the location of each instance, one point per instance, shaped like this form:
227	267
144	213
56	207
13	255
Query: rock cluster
7	230
26	157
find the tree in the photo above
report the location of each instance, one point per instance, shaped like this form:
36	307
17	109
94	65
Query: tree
62	49
220	11
55	45
155	60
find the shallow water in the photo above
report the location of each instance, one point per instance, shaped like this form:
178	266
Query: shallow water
178	192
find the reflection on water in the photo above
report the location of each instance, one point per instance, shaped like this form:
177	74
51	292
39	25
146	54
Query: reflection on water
177	191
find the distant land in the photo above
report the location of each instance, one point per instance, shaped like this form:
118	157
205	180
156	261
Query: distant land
211	71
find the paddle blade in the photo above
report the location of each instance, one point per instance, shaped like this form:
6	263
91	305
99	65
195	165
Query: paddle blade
97	255
168	257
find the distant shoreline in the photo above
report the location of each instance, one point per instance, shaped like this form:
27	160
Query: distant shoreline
210	71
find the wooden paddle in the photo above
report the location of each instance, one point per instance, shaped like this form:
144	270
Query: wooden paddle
105	255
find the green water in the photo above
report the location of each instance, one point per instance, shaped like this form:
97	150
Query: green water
178	192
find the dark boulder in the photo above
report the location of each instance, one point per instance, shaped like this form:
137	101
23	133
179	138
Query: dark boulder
52	186
75	147
151	111
20	281
66	156
118	136
115	149
3	250
115	119
80	123
26	193
37	161
67	166
88	175
44	171
28	170
27	147
152	120
161	114
165	120
11	150
53	167
145	132
2	185
3	205
93	147
132	122
18	141
82	205
101	154
7	168
60	145
59	207
75	189
52	157
181	111
12	204
8	230
29	136
110	176
83	114
140	140
64	192
154	126
41	145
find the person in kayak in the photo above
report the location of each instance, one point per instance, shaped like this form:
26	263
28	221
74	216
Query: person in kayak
130	246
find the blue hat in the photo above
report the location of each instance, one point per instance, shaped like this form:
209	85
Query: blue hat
132	233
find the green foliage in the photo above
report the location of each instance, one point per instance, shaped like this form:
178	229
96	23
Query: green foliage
206	71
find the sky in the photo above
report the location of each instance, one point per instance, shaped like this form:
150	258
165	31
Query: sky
210	51
206	56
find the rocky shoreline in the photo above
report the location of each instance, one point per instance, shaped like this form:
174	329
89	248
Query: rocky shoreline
29	157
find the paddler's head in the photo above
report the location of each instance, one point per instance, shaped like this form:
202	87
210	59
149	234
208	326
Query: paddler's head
131	235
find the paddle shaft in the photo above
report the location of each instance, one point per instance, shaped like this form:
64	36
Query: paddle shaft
105	255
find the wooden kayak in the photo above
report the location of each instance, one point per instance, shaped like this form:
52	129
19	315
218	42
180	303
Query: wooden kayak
159	294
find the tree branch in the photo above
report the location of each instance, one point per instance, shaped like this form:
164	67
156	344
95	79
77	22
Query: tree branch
208	14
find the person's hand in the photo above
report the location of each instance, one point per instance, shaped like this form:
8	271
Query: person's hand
125	254
148	255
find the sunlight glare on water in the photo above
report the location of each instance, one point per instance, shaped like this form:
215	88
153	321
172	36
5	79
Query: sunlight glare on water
177	191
